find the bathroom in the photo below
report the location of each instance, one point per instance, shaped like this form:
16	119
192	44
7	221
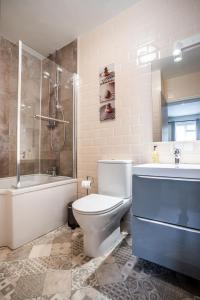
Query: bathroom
55	71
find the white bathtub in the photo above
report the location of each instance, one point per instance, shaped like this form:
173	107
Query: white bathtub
37	207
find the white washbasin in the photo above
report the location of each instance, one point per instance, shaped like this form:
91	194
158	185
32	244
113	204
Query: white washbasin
168	170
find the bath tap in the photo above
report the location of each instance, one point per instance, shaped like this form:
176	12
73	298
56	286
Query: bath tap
52	171
177	156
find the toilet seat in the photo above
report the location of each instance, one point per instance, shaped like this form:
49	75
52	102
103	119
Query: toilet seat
96	204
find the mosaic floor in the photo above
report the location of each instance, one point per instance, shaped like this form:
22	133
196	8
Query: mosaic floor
54	267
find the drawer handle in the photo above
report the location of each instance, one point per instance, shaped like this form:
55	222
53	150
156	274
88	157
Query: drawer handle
170	178
169	225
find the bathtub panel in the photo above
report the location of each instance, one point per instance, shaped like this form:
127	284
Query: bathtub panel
3	221
30	212
40	211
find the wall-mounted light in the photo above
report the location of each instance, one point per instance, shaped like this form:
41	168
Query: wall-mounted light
183	45
177	52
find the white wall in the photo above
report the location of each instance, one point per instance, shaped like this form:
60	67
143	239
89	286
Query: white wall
183	87
156	22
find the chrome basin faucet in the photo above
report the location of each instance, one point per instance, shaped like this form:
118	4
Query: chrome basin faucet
177	156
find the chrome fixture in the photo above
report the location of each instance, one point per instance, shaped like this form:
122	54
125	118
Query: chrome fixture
52	171
46	75
177	156
44	118
57	87
23	154
56	111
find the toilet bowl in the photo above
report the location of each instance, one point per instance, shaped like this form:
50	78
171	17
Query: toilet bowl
99	215
100	222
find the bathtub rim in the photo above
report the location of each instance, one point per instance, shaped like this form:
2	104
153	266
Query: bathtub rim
31	188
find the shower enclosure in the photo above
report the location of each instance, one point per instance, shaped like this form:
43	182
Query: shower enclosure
46	113
37	143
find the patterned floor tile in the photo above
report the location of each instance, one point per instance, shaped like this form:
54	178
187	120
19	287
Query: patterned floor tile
80	260
83	276
77	234
108	273
142	288
122	253
129	240
45	239
2	296
63	229
77	245
167	291
8	269
56	296
7	286
20	253
127	269
53	266
62	237
40	251
88	294
35	266
29	287
109	259
57	282
4	251
60	262
61	249
116	291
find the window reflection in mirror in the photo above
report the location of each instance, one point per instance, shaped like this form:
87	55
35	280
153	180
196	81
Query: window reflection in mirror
176	97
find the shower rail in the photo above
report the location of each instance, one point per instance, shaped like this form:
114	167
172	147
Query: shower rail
44	118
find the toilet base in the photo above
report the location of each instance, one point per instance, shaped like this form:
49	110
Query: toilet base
101	243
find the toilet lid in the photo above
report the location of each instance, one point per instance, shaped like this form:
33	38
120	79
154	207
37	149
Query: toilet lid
96	204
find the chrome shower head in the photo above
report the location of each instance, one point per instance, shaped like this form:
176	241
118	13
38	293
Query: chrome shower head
46	75
59	69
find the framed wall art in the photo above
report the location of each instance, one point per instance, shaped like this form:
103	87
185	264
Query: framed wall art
107	93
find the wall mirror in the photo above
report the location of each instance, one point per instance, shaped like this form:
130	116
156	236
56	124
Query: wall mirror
176	97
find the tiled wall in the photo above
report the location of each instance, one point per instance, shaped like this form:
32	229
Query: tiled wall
8	112
155	22
30	128
8	106
66	57
30	105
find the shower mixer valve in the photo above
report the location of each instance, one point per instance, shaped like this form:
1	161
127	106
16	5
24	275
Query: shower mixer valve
52	171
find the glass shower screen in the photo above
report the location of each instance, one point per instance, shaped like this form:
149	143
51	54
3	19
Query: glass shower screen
45	118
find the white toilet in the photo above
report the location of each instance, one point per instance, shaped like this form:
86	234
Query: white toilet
99	215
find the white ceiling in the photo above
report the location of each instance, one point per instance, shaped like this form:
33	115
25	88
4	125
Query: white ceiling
47	25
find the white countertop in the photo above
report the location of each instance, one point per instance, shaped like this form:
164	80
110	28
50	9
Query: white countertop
168	170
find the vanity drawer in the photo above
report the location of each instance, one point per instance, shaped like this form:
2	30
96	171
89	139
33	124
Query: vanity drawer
170	200
174	247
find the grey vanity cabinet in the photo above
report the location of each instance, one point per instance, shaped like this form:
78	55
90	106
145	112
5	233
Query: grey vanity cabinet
166	222
170	200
